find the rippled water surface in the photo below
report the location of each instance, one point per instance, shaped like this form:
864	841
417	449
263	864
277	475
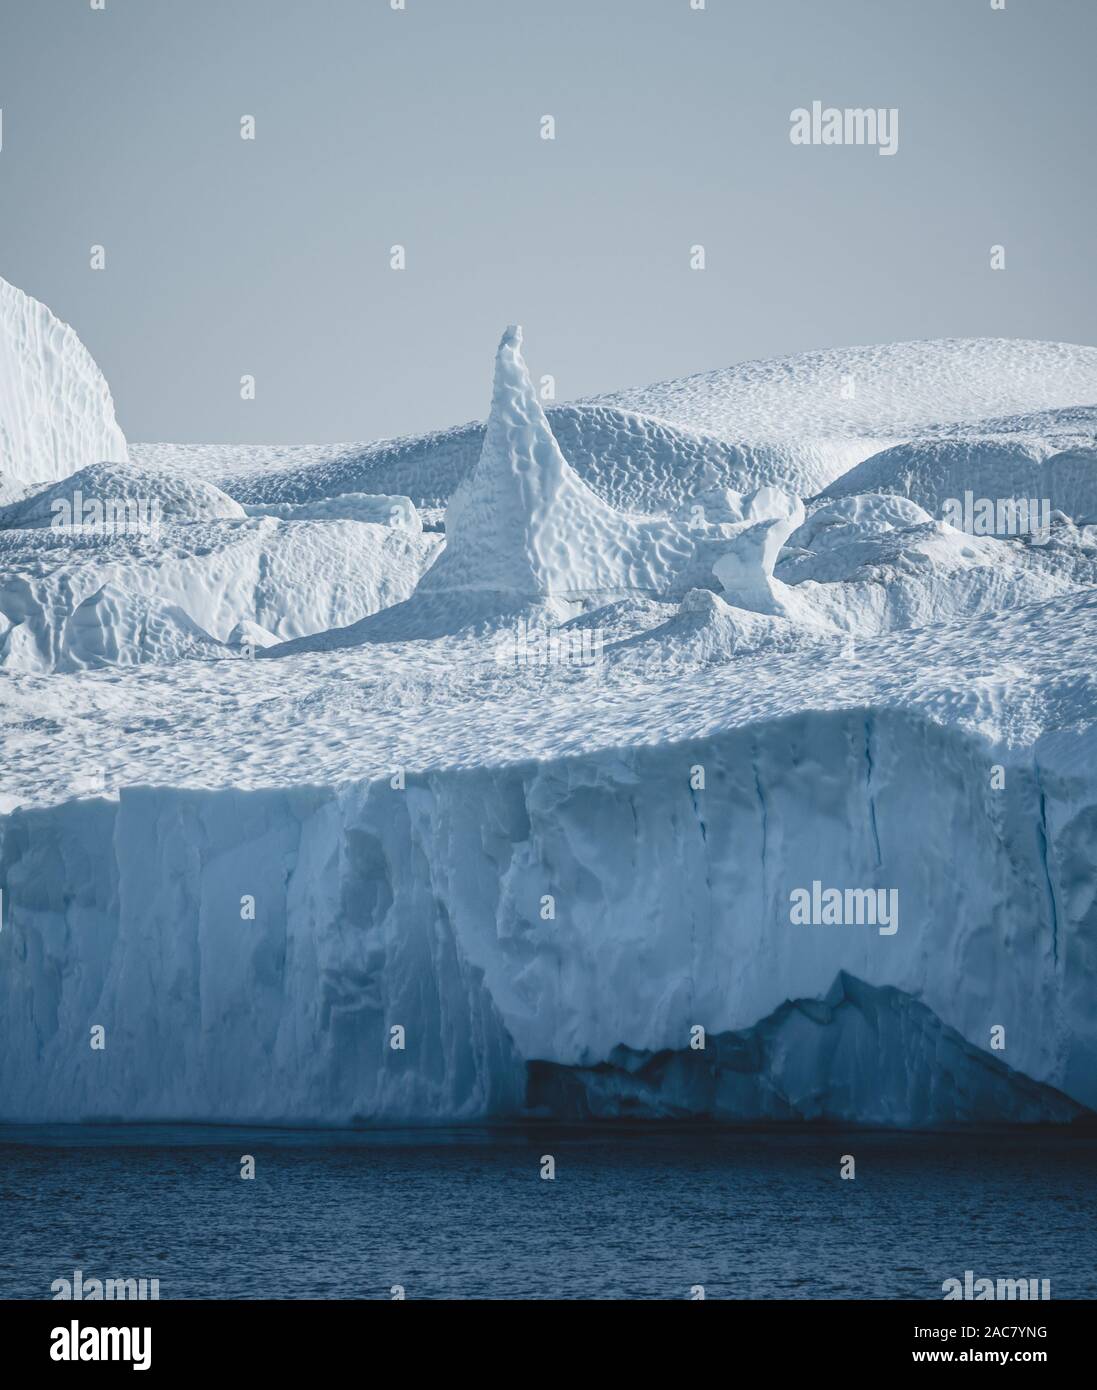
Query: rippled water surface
466	1214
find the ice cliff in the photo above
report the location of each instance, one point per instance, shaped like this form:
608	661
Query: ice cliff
249	954
56	412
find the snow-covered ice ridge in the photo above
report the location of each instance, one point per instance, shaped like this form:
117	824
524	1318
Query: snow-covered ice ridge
312	763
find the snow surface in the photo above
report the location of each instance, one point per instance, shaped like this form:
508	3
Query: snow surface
822	406
296	771
56	412
177	498
932	471
791	423
290	578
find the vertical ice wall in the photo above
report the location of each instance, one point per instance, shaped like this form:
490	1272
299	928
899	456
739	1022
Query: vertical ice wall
248	954
56	411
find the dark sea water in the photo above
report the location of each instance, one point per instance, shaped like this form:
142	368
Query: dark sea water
466	1214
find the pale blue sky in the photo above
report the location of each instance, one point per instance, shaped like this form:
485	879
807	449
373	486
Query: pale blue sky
226	257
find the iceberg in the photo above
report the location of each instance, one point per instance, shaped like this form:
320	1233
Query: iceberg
377	875
56	411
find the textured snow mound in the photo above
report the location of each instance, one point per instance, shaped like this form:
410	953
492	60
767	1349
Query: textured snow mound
705	629
745	568
797	423
861	1055
289	578
56	412
114	627
895	389
866	565
349	506
632	461
525	524
117	488
934	471
859	516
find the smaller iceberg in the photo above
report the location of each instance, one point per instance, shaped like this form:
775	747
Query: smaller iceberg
865	1054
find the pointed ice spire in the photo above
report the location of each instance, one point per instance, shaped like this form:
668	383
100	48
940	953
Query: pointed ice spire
524	522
